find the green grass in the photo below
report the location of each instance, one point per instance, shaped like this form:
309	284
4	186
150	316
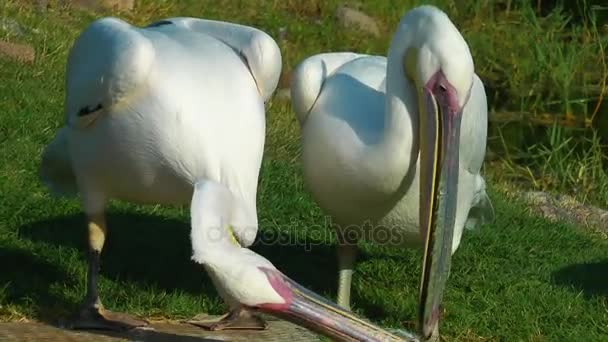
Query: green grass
521	278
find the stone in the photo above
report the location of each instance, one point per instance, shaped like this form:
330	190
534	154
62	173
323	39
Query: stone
95	5
282	33
566	209
11	26
20	52
42	5
283	94
352	18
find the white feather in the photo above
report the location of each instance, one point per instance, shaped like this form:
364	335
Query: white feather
152	111
360	128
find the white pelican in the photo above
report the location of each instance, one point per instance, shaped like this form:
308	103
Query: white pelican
368	126
150	112
173	113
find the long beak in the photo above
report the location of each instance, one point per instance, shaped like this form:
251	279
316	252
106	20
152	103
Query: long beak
307	309
439	146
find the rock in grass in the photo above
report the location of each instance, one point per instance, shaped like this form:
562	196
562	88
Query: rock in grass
21	52
11	26
283	94
42	5
566	209
352	18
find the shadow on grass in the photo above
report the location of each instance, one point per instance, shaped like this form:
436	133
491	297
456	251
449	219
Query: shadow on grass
153	336
311	265
591	278
26	278
154	250
146	249
315	267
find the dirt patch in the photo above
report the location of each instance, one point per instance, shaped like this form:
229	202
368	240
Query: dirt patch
21	52
566	208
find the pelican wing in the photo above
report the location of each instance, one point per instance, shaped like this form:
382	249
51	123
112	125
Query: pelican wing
259	51
473	149
309	76
482	211
474	129
56	167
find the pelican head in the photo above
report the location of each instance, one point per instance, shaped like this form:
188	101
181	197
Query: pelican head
437	58
248	280
438	62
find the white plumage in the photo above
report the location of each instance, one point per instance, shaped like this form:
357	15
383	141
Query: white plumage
174	113
360	130
150	112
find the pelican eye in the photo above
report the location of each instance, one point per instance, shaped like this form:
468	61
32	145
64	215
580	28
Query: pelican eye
160	23
89	110
443	88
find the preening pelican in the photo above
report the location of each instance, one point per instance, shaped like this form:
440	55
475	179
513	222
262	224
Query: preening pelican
152	111
248	281
393	145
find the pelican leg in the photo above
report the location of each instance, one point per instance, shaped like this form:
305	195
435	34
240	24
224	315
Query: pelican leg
236	319
347	254
92	314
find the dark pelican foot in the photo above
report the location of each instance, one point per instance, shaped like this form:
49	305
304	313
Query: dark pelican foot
239	319
95	317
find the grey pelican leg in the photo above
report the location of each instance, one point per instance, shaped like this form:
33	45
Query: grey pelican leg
92	314
236	319
347	255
